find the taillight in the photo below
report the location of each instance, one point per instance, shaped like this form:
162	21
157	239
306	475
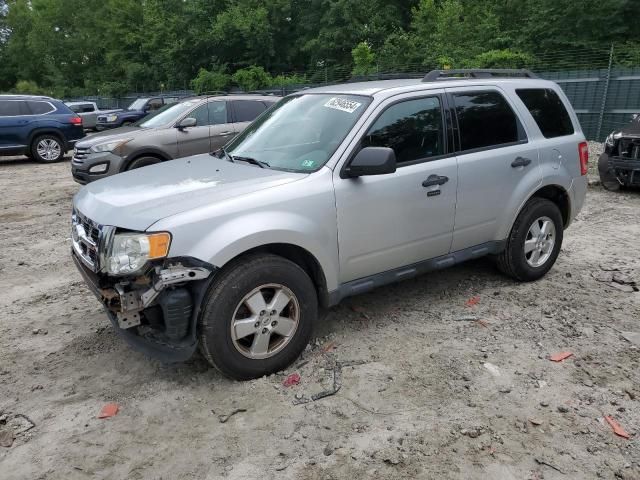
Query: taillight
76	120
583	151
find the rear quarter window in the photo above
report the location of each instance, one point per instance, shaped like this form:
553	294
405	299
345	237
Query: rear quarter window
548	111
39	108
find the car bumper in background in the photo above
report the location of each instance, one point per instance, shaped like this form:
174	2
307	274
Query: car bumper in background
88	167
107	125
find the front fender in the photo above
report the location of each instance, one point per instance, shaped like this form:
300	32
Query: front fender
276	228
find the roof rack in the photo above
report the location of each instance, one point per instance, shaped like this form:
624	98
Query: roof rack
435	75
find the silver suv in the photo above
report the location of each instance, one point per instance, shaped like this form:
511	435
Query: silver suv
191	126
331	193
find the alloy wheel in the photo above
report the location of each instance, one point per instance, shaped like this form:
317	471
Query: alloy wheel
265	321
540	240
48	149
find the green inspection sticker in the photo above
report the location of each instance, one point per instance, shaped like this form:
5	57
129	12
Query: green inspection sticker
308	163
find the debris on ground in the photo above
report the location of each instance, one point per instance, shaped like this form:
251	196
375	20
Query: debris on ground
472	301
493	369
616	278
542	462
560	356
362	311
617	428
225	418
291	380
6	438
109	410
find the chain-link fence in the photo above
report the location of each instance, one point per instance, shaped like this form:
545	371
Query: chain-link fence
603	85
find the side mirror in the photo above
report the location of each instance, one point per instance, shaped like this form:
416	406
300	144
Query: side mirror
372	161
186	123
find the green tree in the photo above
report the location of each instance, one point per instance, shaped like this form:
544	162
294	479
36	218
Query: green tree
252	78
209	81
364	60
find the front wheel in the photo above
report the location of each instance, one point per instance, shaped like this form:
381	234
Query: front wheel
143	162
257	317
534	242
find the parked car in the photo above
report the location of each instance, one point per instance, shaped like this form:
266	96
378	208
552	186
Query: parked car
196	125
89	112
138	109
40	127
619	164
331	193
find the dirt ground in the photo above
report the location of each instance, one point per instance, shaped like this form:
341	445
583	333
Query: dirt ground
451	376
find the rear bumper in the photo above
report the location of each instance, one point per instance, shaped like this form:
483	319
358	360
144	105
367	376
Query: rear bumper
577	195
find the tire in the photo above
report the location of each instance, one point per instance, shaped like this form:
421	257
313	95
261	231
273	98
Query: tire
524	266
224	306
142	162
607	177
47	148
126	124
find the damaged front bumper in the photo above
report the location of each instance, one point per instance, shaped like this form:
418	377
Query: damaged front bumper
157	312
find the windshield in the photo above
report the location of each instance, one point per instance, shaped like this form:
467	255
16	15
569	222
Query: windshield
166	115
301	132
138	104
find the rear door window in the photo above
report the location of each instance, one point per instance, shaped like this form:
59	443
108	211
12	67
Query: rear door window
548	111
39	108
413	129
11	108
247	110
486	120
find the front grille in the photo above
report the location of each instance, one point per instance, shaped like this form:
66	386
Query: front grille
80	155
85	235
102	118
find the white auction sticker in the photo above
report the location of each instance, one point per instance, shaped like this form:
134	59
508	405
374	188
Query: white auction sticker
342	104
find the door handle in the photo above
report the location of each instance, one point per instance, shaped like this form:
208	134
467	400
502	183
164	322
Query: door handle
520	162
433	180
226	133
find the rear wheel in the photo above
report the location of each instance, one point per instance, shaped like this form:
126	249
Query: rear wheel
47	149
257	317
143	162
607	177
534	242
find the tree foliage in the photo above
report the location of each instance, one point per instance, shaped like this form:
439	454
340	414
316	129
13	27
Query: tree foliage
110	47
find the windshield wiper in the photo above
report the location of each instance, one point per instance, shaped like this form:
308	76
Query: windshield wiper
221	150
252	161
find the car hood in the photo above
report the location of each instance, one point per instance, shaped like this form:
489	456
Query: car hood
137	199
633	129
108	135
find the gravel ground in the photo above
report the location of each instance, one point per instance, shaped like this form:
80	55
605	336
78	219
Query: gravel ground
449	377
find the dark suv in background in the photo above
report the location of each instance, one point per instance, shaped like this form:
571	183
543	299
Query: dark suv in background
40	127
189	127
140	108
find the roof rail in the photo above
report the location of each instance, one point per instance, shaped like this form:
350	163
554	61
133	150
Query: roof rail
435	75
